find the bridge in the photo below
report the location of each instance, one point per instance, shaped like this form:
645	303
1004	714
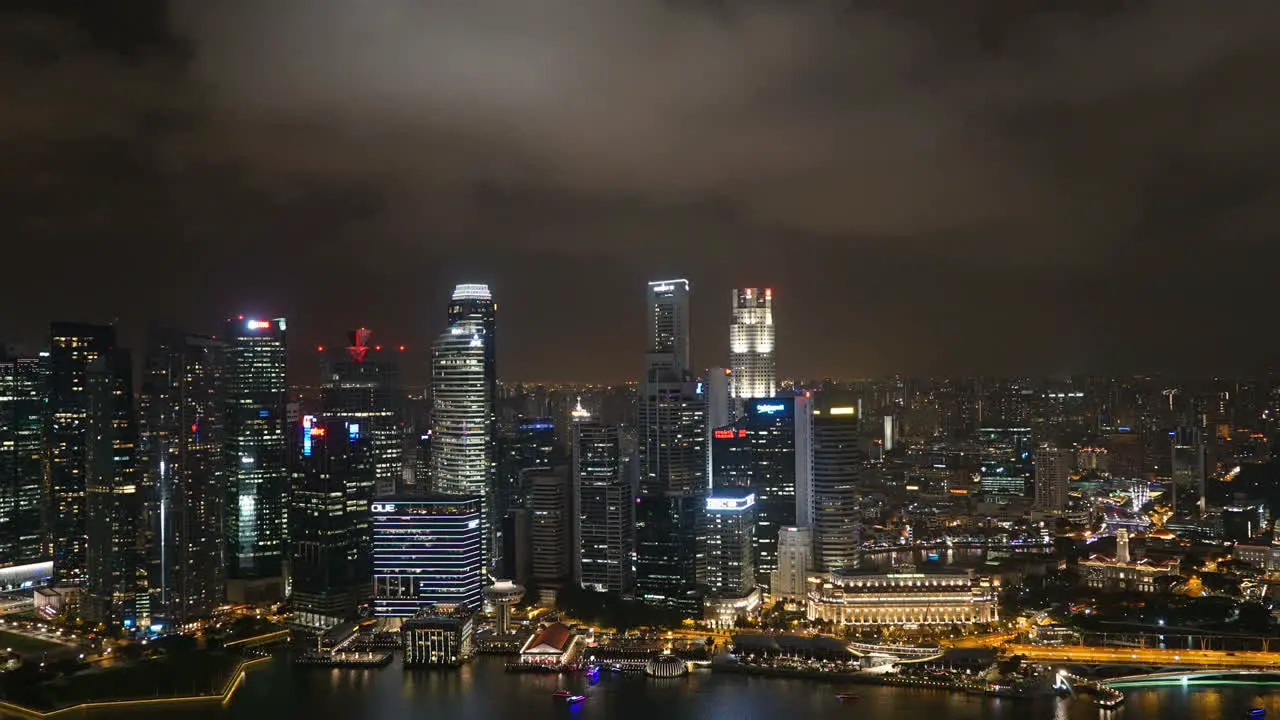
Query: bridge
1218	676
1149	657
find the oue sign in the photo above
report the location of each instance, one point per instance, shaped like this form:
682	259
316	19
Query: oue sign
382	507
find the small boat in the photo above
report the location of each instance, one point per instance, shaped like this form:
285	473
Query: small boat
616	668
848	697
562	694
592	671
575	699
1257	713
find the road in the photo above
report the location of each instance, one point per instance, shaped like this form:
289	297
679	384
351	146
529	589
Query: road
1144	656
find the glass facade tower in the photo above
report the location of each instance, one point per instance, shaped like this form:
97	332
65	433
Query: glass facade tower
751	345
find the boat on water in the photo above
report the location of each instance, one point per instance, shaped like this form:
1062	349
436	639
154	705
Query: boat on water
568	697
592	671
848	697
1257	713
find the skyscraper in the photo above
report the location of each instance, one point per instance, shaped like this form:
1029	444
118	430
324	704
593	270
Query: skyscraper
22	393
551	531
673	457
426	551
117	574
462	414
330	530
837	467
781	433
182	420
362	386
751	344
1187	471
1006	464
730	533
73	347
257	458
1052	473
604	540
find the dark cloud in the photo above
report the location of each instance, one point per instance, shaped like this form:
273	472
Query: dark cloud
1039	186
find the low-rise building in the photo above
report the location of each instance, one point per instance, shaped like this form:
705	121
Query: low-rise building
552	645
912	597
1104	573
438	637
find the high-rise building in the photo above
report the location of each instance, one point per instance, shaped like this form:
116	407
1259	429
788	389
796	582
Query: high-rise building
182	420
720	404
73	348
1052	475
463	387
257	458
1007	464
604	542
751	345
1187	470
426	551
551	531
731	457
530	445
362	386
781	433
330	529
837	466
117	592
22	394
730	533
795	560
668	327
673	482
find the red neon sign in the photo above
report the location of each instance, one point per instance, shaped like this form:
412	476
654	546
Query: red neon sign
722	434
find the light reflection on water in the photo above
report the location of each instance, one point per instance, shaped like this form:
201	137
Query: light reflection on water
483	691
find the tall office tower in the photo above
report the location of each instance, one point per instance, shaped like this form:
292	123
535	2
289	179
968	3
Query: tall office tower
362	386
463	387
257	458
182	420
837	467
720	408
1187	469
673	478
330	531
668	328
731	457
117	574
22	393
551	531
1052	475
73	348
781	434
1006	463
603	499
426	551
720	405
795	560
730	533
751	342
530	445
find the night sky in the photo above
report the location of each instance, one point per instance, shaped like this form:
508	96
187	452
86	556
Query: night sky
990	186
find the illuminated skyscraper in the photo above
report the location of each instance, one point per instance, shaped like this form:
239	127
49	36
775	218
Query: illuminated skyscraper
751	345
673	457
462	407
330	530
781	434
182	418
1187	471
426	551
73	348
604	501
1052	468
257	458
362	386
22	393
837	467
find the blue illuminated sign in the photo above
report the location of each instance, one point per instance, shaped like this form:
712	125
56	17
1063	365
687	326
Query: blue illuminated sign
353	431
537	426
770	408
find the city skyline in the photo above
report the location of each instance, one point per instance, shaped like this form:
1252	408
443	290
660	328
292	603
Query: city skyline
1067	197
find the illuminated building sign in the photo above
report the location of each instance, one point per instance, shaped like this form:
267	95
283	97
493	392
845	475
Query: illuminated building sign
308	427
770	408
353	431
840	411
664	288
720	504
722	434
382	507
258	324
